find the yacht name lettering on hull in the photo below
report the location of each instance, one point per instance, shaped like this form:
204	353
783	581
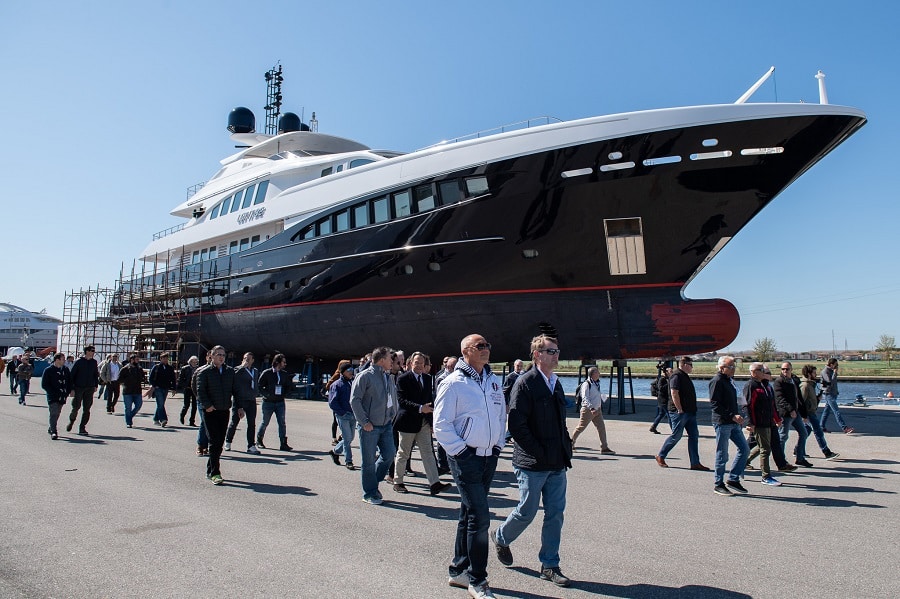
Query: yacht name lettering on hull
251	216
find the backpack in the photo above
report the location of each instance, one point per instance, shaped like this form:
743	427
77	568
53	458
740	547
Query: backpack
654	387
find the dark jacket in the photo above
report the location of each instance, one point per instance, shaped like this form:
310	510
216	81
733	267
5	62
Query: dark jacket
244	385
760	404
723	399
184	377
131	377
162	376
682	382
85	373
57	382
339	396
411	398
269	379
511	379
537	422
787	396
215	387
662	394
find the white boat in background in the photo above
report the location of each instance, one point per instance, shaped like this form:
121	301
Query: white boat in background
25	329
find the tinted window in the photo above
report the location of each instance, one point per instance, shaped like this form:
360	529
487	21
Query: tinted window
359	162
450	192
380	210
361	215
342	220
402	205
324	226
233	247
309	232
261	192
214	213
340	167
225	205
425	199
204	254
254	240
195	257
236	203
248	197
326	171
476	186
245	243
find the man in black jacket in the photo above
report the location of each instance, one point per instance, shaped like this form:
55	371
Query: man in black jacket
542	453
215	386
727	421
162	381
85	379
57	383
274	384
792	412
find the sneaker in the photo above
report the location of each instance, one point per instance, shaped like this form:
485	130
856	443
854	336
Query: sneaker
156	422
259	442
771	481
227	445
401	488
163	423
607	451
555	576
481	591
460	581
201	451
721	489
252	449
54	436
736	485
848	430
217	479
504	555
128	426
350	466
83	432
787	468
831	455
373	500
804	463
334	457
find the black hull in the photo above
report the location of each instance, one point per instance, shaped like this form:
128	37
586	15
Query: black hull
530	255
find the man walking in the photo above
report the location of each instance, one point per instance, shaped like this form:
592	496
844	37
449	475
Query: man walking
85	378
542	454
830	395
683	416
339	402
109	378
162	380
244	403
469	423
185	376
215	386
373	397
792	412
131	377
727	421
24	371
592	410
274	384
57	383
761	411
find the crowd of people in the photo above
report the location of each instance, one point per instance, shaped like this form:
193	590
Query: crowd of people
394	405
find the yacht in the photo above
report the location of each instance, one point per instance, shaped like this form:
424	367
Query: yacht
22	328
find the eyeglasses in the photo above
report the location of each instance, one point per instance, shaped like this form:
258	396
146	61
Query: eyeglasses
218	355
785	368
480	346
730	366
550	350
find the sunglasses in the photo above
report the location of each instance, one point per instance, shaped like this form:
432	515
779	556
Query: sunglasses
550	350
480	346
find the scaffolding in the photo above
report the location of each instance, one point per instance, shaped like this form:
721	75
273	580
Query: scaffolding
86	322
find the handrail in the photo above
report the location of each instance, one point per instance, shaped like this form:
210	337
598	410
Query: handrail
526	124
169	231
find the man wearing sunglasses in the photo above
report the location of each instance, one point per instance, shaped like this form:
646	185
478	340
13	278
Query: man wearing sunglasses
542	454
683	416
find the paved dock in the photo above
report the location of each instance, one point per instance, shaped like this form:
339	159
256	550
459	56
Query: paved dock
129	513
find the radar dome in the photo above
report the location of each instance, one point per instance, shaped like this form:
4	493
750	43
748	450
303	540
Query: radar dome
289	122
241	120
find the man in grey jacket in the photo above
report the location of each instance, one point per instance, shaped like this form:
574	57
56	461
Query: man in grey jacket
373	398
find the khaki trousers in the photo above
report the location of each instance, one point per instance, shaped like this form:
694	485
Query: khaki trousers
588	417
423	440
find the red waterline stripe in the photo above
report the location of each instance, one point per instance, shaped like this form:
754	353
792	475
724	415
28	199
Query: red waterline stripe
455	294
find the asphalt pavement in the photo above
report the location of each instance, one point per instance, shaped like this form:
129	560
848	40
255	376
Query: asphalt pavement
130	513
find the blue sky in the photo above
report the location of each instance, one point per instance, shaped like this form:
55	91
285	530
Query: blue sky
112	109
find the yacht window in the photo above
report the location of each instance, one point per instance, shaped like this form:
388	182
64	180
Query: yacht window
309	232
225	205
324	226
214	212
195	257
342	220
476	186
248	197
245	243
254	240
204	254
380	210
359	162
361	215
340	167
236	203
402	206
261	192
424	195
326	171
450	192
212	252
233	247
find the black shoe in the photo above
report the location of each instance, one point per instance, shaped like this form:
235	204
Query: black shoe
654	431
83	432
504	555
191	423
804	463
69	426
182	419
350	466
334	457
438	487
259	442
401	488
443	471
285	446
54	436
721	489
555	576
737	486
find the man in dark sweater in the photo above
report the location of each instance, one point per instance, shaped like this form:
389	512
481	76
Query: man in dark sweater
215	387
682	416
57	383
792	412
727	421
162	381
85	379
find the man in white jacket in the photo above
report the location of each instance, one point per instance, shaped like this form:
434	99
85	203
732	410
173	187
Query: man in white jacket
470	424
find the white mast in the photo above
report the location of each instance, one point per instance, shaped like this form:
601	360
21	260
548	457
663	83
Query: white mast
823	95
755	86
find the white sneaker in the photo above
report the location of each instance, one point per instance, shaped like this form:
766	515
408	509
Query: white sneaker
227	446
460	581
252	449
164	423
482	591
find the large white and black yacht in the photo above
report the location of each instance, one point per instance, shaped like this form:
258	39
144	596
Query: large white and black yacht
312	244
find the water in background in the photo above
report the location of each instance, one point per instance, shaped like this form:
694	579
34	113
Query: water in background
848	390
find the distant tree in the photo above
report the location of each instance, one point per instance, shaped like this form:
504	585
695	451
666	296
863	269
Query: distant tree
885	345
764	349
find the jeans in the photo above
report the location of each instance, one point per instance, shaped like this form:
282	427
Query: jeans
249	407
661	412
160	396
473	475
724	434
686	421
269	408
216	424
24	386
133	403
831	406
202	436
819	434
374	470
535	485
83	398
347	423
784	430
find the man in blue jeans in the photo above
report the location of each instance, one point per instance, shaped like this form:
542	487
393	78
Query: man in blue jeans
373	397
339	402
275	384
830	395
162	380
727	421
131	377
683	416
543	452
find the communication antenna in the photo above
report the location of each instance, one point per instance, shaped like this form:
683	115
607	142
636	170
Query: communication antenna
313	123
823	95
274	80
